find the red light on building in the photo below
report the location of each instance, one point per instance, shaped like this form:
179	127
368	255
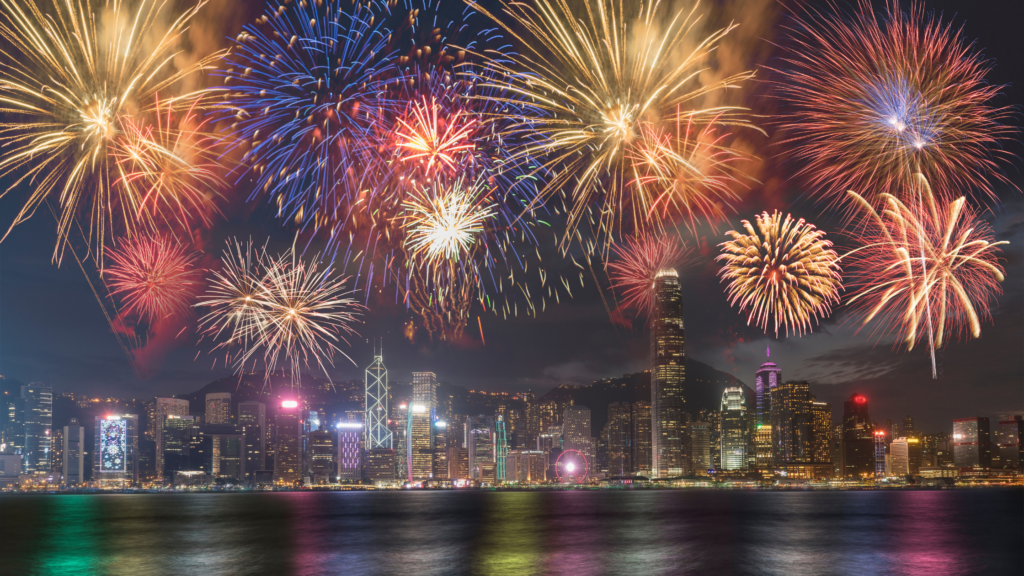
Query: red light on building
289	404
860	399
879	432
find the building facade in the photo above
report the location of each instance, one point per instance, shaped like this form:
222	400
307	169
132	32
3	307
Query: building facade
972	443
668	377
218	408
378	435
288	448
734	431
421	420
350	461
252	419
1008	442
38	398
73	453
857	452
115	452
163	407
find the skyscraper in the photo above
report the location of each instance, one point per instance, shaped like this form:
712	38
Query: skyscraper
618	433
698	436
857	452
218	408
880	454
288	451
176	434
899	458
792	423
971	443
479	444
734	436
349	453
73	457
252	418
115	457
35	456
821	435
668	377
576	431
642	438
1008	442
376	423
163	407
441	445
767	377
421	418
500	448
321	455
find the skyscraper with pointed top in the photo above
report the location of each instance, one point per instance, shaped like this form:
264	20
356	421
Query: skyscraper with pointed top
377	433
668	377
767	377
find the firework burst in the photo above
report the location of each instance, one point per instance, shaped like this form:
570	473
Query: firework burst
65	80
875	101
433	141
443	225
595	80
277	310
154	276
927	268
784	272
638	264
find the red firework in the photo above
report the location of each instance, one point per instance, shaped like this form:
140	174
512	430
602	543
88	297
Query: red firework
927	268
874	100
154	276
435	137
639	263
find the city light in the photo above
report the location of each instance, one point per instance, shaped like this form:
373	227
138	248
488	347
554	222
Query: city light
859	399
349	425
419	408
289	404
441	424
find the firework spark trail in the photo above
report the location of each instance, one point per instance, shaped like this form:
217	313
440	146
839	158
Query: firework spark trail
277	310
638	264
595	79
444	224
875	100
64	82
784	272
952	288
435	141
154	276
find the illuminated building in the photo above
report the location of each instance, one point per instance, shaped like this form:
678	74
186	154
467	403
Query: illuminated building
57	452
480	445
698	436
792	423
857	452
908	427
915	449
163	407
642	438
350	462
224	451
526	466
1008	442
576	431
618	434
500	448
734	435
376	421
971	444
175	434
288	450
421	418
380	465
668	377
821	434
115	452
218	408
880	454
10	469
767	377
252	418
763	461
899	458
38	428
458	463
311	422
73	454
403	460
440	455
321	455
550	439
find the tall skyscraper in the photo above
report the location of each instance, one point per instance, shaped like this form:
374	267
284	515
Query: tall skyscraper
767	377
734	435
908	427
176	434
115	461
350	462
380	465
698	436
1009	438
792	423
576	431
857	452
252	419
224	446
642	438
441	445
376	423
618	434
668	377
218	408
163	407
971	443
421	418
899	458
321	456
821	435
500	447
479	445
73	456
288	449
880	470
38	428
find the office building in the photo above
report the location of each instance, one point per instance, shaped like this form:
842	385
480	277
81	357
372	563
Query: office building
378	435
792	423
403	457
618	436
380	465
734	430
1008	442
288	448
480	445
767	377
642	438
857	452
821	433
880	456
668	377
321	456
224	448
576	432
115	451
10	469
57	453
500	448
458	463
441	444
176	435
971	443
421	419
349	454
73	453
218	408
527	466
698	437
252	419
899	457
163	407
35	453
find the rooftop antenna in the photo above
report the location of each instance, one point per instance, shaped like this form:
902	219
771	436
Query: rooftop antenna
768	351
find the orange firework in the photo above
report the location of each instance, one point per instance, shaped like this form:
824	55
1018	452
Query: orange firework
154	276
928	268
432	139
784	272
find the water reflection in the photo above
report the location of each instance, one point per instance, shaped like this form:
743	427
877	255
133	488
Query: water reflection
509	540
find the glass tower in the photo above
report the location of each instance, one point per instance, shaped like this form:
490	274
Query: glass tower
377	433
35	457
734	430
421	418
668	376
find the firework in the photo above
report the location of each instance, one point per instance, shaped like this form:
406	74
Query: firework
595	80
278	310
927	268
445	224
784	272
640	261
434	141
876	100
153	275
306	85
66	78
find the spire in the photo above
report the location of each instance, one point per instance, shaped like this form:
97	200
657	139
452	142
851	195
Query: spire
768	351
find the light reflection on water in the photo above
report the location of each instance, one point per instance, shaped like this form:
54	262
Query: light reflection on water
531	533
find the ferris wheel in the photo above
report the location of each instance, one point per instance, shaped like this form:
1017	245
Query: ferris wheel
571	467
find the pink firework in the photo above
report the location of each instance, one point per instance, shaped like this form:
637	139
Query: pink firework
435	137
874	100
639	263
154	276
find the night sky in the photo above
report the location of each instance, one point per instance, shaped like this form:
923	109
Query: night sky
53	330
